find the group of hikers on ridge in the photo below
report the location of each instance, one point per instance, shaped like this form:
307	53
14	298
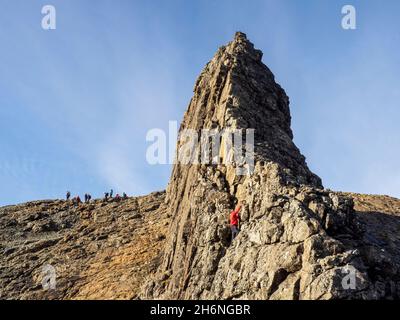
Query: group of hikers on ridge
88	197
109	195
234	218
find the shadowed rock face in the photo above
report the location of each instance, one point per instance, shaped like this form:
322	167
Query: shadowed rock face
297	240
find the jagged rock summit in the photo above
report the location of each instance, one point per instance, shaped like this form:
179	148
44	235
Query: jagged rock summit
236	90
297	239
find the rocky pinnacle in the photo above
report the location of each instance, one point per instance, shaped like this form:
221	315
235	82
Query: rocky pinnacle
297	240
236	90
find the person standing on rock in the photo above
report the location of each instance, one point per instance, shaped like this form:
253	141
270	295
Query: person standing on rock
111	193
68	195
234	221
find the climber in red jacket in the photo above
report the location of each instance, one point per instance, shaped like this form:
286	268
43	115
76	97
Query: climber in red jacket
234	221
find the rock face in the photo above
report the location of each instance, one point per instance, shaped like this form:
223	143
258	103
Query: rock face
297	240
98	250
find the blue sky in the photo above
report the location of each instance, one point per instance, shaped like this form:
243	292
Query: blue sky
76	102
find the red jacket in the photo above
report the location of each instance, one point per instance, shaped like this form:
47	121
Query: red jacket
234	217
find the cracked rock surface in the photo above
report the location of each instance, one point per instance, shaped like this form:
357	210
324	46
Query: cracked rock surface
98	250
297	239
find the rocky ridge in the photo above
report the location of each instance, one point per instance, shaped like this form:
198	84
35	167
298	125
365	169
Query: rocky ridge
99	250
297	239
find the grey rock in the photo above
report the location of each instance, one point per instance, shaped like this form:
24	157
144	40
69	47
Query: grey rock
297	240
